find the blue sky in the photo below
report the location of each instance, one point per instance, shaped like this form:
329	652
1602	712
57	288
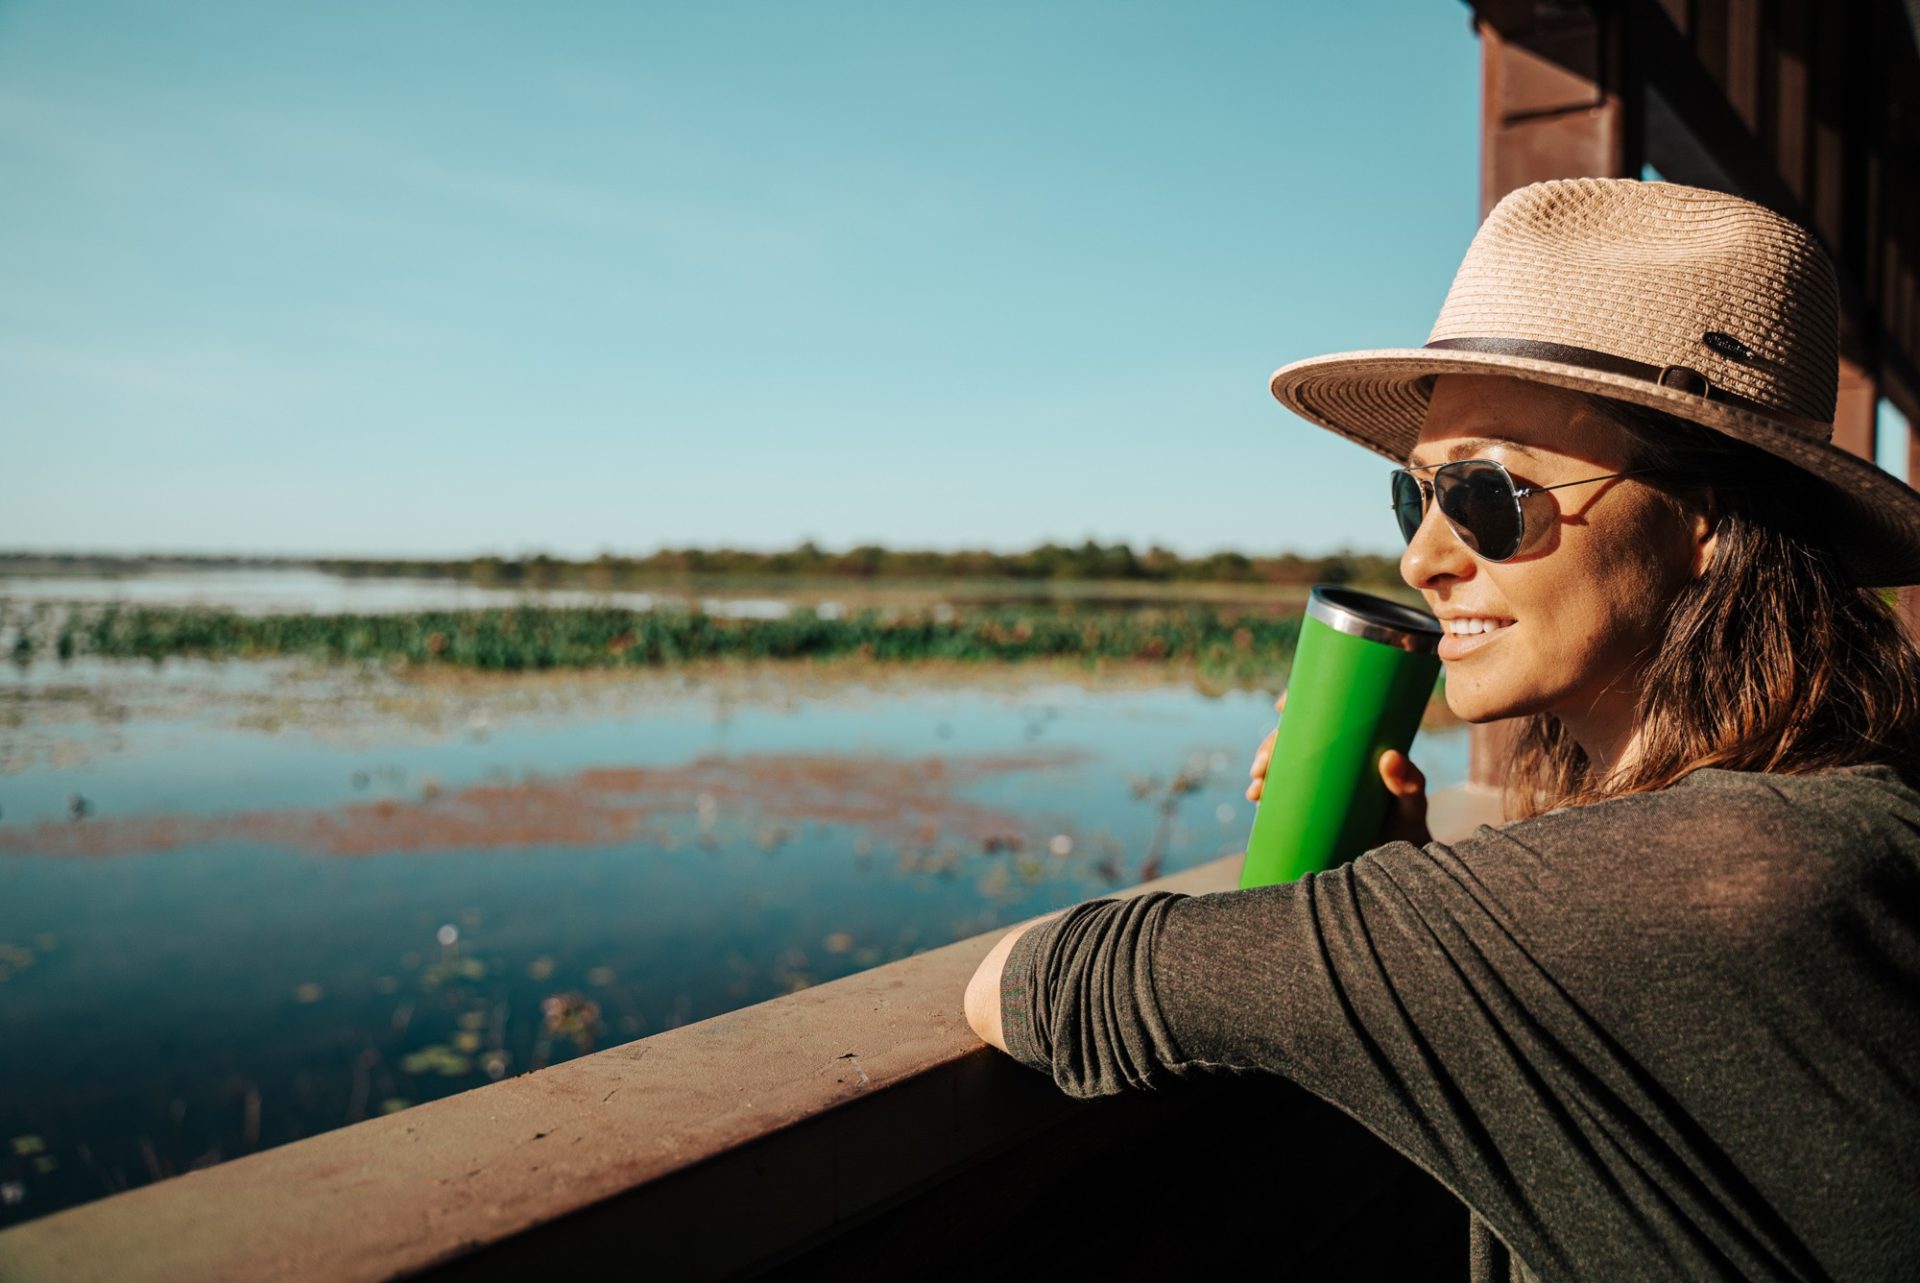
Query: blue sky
410	278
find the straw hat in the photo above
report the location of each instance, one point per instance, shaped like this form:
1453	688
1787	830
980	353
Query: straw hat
1707	306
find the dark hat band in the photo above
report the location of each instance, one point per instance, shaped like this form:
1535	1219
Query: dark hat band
1680	378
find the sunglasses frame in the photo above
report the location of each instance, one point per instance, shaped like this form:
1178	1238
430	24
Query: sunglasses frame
1429	490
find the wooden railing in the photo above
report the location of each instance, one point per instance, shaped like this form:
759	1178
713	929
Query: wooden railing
856	1125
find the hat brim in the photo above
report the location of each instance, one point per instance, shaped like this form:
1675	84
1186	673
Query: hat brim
1378	398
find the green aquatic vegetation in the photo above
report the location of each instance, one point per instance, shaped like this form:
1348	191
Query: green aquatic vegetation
572	1015
15	959
1218	640
437	1059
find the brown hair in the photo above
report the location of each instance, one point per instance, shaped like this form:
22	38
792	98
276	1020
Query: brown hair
1775	659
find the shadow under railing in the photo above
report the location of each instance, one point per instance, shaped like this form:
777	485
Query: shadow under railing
858	1124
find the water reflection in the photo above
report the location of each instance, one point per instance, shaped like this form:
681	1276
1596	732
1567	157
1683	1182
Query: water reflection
538	868
292	591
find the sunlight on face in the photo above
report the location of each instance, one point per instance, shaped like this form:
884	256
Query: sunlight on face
1584	597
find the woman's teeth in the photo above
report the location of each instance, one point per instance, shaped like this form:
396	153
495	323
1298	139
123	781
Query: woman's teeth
1467	627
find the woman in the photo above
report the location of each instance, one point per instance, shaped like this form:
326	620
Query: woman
1666	1021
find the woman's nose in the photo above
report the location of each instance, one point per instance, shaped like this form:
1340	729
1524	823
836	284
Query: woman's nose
1435	552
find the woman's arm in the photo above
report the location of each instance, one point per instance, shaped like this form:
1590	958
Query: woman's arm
1585	1024
983	991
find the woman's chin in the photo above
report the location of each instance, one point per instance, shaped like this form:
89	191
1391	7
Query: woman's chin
1476	706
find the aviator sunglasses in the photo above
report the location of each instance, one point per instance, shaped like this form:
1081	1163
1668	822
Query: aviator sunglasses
1479	500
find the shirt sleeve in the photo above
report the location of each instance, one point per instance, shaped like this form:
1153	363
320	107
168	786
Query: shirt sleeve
1496	1010
1342	981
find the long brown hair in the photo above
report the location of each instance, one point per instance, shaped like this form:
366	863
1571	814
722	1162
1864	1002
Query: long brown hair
1775	659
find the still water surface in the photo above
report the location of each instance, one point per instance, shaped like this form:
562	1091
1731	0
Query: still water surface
244	903
293	591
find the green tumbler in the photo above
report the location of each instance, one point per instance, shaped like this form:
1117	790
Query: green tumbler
1362	674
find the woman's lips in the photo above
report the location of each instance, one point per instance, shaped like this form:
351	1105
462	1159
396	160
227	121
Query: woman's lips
1458	646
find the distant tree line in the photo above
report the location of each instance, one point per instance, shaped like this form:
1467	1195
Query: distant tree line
1050	561
1090	560
134	563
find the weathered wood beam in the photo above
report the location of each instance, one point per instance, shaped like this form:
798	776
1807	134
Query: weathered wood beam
1558	100
1856	409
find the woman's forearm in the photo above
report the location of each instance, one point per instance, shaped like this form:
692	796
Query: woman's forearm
983	991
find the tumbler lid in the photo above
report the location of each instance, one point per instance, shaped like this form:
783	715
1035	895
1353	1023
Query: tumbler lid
1375	618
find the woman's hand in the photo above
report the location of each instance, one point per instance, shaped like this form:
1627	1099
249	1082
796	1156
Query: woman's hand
1406	816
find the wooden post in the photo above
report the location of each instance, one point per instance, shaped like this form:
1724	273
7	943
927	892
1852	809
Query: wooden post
1554	98
1907	599
1856	409
1558	100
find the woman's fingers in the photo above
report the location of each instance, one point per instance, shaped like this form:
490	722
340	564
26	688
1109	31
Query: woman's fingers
1261	756
1264	754
1406	818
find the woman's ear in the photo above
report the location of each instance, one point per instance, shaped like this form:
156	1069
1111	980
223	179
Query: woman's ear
1703	529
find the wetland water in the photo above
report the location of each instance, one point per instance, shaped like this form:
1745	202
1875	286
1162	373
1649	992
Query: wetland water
246	902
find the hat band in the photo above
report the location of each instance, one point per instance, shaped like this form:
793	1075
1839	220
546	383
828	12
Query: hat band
1679	378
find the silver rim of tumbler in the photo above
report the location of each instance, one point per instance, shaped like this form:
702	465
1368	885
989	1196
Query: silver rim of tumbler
1361	614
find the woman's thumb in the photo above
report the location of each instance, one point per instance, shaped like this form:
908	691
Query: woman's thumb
1403	779
1406	817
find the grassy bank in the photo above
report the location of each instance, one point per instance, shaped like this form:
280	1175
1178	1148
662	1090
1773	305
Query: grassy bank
1224	640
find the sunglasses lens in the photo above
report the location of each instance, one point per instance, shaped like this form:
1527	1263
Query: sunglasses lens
1408	507
1477	499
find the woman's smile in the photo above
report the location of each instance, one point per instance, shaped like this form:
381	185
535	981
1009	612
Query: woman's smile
1469	633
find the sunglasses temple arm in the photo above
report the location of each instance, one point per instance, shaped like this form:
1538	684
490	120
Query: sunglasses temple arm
1587	481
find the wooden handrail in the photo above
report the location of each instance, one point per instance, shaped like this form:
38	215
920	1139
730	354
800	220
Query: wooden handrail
721	1146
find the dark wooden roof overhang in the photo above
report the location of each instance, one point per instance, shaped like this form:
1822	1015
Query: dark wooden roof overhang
1810	108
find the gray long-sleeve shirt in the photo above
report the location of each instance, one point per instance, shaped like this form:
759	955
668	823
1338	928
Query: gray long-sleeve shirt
1674	1035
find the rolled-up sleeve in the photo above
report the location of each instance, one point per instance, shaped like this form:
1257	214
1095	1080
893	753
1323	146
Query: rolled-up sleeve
1077	997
